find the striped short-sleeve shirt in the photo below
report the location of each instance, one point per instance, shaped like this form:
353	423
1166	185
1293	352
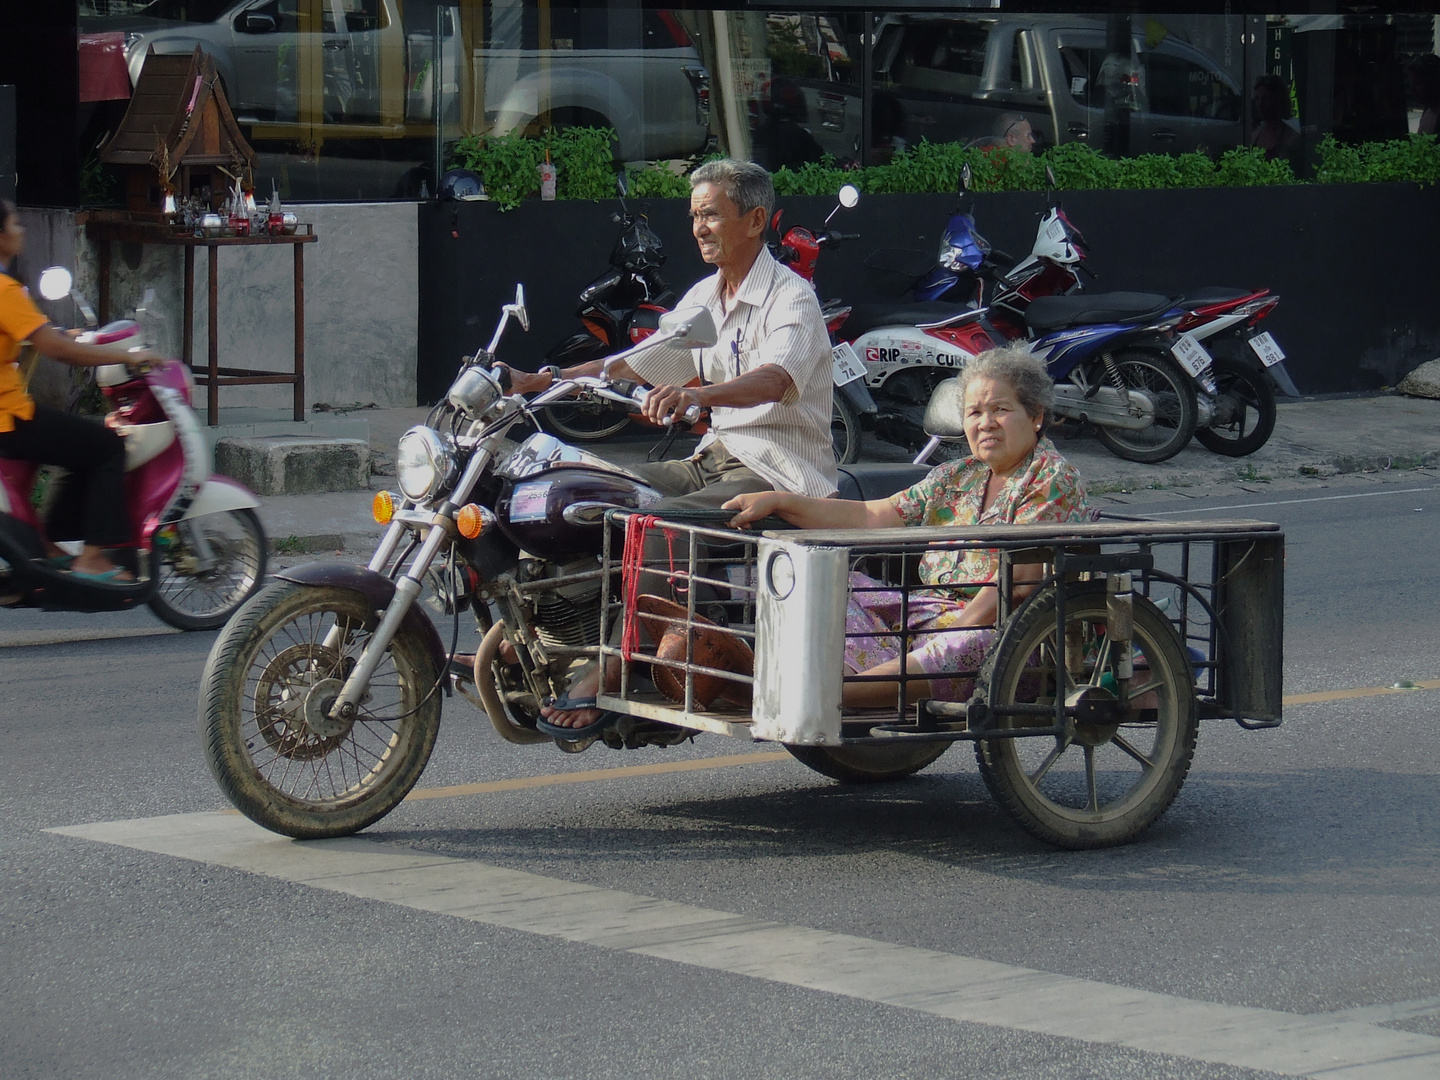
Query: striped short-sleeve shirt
774	319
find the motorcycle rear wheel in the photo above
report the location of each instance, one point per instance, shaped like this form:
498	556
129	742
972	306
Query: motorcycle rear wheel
587	422
278	757
845	431
868	764
1251	408
193	599
1175	412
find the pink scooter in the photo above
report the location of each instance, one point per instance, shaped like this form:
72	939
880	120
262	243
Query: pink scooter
198	549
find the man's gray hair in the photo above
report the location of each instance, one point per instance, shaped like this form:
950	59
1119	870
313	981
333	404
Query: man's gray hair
744	183
1023	372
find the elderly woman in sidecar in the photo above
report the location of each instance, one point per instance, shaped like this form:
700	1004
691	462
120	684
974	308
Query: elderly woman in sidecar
1013	476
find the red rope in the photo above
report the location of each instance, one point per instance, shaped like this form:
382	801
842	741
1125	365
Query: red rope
632	565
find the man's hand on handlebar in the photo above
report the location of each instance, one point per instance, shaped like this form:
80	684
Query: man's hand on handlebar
666	404
524	382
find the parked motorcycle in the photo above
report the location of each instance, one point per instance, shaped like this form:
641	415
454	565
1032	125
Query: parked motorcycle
197	547
618	309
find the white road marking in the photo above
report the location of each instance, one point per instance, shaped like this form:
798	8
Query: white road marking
1291	502
1332	1047
21	640
1389	1014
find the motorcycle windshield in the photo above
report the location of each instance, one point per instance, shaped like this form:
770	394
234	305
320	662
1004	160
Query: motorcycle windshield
961	247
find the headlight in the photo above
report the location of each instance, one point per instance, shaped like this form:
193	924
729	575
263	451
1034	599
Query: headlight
424	464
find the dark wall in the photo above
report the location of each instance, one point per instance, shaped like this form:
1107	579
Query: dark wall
38	54
1351	264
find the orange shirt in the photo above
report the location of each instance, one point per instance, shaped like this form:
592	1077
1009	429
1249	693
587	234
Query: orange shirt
19	318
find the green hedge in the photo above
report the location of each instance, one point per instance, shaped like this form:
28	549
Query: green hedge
585	168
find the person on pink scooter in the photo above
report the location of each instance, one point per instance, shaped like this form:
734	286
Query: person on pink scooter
90	502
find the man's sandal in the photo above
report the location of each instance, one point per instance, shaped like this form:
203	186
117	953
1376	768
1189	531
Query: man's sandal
574	734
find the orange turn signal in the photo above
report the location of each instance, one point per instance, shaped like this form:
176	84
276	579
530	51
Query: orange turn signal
382	508
469	521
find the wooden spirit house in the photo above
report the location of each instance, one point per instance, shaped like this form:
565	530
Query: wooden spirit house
178	133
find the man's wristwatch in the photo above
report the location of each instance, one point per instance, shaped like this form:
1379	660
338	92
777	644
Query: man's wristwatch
554	373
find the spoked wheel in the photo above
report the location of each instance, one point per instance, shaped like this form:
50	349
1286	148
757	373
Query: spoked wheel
585	421
868	764
265	717
207	567
845	430
1244	410
1106	779
1162	381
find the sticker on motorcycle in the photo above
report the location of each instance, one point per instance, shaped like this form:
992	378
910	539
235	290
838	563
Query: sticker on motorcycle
1267	349
528	502
1191	354
846	364
1055	230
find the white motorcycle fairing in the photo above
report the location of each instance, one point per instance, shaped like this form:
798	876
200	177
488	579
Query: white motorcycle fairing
219	494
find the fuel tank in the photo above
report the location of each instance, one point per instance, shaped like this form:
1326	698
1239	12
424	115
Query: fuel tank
544	477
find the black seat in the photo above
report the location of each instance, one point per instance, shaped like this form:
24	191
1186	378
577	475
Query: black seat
1213	294
879	480
1058	312
864	317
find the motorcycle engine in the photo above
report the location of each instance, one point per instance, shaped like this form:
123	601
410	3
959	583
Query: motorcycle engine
568	614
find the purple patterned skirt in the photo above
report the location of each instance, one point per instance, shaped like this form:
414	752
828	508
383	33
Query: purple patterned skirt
936	643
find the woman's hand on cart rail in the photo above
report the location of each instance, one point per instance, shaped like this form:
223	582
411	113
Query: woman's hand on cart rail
807	513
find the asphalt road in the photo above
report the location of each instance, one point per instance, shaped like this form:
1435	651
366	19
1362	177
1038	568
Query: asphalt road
1281	915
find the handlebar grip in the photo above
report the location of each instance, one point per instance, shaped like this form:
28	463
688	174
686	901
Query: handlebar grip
846	236
502	376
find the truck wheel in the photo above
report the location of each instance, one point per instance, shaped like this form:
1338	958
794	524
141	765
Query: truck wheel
1102	782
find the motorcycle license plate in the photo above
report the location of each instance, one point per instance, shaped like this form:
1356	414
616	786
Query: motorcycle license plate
1266	349
846	364
1191	354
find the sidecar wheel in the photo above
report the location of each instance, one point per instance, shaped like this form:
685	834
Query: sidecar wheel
285	763
868	764
1101	783
192	599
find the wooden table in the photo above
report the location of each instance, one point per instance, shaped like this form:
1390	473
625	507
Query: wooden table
212	376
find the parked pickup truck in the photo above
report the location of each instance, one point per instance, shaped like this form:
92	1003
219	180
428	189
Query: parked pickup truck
948	78
637	72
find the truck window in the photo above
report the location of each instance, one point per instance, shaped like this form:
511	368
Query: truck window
1181	87
1082	74
946	56
1022	64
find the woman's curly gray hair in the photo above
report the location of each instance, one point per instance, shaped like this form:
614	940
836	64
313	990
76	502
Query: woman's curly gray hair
1023	372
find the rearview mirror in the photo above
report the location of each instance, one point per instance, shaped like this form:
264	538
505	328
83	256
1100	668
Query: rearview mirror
1049	176
519	307
849	196
965	175
622	183
690	328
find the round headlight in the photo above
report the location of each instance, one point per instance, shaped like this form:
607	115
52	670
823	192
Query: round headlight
424	465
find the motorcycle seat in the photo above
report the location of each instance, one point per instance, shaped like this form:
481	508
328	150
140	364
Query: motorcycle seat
1058	312
878	480
866	317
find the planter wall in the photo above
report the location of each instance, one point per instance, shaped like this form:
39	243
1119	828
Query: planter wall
1352	264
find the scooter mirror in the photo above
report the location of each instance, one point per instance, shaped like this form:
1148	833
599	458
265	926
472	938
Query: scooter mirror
690	328
849	196
965	176
1049	176
520	312
622	183
55	283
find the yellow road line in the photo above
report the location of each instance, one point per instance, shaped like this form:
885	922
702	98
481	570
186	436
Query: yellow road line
587	775
1358	692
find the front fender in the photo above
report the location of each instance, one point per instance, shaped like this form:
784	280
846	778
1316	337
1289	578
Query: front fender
219	494
377	591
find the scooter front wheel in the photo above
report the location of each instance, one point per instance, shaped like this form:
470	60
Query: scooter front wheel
1169	390
207	567
585	421
845	430
265	713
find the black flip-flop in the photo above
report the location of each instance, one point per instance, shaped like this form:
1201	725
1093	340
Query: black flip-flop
575	734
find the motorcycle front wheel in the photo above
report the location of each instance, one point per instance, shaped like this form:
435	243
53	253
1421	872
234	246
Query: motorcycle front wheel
845	432
1245	410
1175	413
265	698
207	567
